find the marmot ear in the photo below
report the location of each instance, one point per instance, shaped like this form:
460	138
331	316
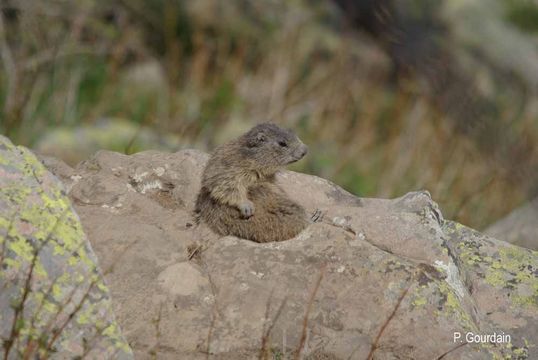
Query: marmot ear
260	137
256	140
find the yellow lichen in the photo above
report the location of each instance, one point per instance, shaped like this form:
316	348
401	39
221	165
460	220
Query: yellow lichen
56	292
85	316
419	301
454	307
495	278
22	248
40	270
102	287
42	219
51	308
508	269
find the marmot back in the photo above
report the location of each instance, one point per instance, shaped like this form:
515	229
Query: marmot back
239	196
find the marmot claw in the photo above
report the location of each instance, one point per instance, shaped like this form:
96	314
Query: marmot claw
317	216
246	209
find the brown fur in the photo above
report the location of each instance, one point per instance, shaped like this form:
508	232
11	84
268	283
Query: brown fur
239	196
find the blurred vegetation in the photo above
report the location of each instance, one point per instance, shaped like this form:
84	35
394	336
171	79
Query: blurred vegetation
388	101
523	13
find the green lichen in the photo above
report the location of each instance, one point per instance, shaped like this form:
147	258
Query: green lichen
40	222
453	306
519	352
496	278
85	316
515	265
419	301
509	267
113	332
21	247
32	166
509	270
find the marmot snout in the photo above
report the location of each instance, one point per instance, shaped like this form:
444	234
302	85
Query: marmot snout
239	196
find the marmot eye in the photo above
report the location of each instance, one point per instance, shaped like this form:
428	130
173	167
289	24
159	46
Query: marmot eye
282	143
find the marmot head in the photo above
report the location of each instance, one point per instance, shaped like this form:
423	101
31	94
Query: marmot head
268	145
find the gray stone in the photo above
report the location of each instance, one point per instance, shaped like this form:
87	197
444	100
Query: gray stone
393	273
53	300
520	227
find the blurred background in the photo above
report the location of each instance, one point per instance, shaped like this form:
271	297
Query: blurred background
390	95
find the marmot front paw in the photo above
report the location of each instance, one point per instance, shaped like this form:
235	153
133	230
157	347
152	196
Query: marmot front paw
247	209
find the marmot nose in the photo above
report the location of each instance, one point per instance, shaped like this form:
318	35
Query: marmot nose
301	152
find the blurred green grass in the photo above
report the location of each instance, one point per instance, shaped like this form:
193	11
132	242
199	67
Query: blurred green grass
523	13
195	74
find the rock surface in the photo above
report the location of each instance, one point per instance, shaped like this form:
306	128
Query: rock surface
390	278
519	227
53	301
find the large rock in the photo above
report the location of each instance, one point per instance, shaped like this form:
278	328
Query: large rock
519	227
53	301
390	278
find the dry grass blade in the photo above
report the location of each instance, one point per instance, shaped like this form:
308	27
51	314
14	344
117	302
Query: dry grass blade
157	323
375	343
32	344
304	332
451	350
58	332
19	309
215	312
267	333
